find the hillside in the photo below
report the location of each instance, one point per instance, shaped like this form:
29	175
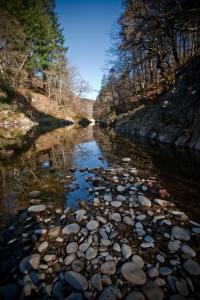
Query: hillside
175	117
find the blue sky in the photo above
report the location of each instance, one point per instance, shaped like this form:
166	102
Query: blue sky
87	24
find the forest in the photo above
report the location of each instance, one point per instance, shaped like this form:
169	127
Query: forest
33	56
152	40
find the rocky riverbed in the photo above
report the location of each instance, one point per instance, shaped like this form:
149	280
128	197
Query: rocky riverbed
127	243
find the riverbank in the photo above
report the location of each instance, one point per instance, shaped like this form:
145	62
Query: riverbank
173	118
126	243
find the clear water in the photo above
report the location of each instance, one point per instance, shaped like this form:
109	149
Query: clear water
44	159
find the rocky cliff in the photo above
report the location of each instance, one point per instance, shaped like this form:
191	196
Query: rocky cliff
175	117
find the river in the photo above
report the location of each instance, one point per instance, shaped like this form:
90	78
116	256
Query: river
57	163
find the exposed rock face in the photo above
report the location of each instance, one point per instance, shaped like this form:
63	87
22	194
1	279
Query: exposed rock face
174	118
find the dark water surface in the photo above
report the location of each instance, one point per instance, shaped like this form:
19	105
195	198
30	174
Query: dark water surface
45	160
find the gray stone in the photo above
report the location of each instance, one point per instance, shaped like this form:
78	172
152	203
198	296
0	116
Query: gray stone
192	267
148	239
76	280
180	233
135	295
188	250
174	246
30	262
120	198
116	247
72	248
116	217
115	204
110	293
71	228
152	291
126	251
128	221
144	201
160	258
79	214
108	268
164	271
77	265
37	208
136	259
133	274
121	188
92	225
91	253
97	282
83	247
69	259
107	198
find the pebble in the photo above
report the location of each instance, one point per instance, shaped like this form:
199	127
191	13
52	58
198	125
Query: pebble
37	208
133	274
192	267
126	251
135	295
188	250
54	232
136	259
71	228
120	198
30	262
108	268
77	265
173	247
92	225
121	188
107	198
69	259
128	221
83	247
79	215
152	291
115	204
116	217
76	280
180	233
110	293
164	271
43	247
91	253
153	272
72	248
144	201
34	194
96	282
126	159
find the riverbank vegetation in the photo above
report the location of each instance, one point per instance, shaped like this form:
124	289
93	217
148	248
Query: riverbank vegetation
33	61
154	39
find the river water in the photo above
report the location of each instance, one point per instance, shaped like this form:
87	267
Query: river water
57	163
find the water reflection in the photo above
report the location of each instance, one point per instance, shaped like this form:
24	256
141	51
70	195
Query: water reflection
45	165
